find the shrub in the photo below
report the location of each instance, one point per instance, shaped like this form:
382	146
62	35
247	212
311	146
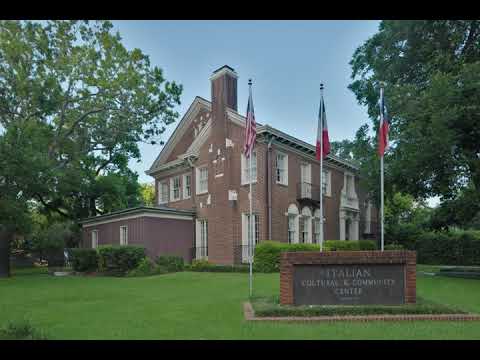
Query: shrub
205	266
267	253
171	263
200	265
449	248
84	259
147	267
349	245
394	247
118	260
21	330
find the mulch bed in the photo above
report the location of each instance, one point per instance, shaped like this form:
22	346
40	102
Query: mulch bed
250	316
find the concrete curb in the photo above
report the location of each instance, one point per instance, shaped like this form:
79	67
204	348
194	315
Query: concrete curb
250	316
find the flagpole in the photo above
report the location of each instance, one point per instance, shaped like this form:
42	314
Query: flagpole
381	177
251	222
321	167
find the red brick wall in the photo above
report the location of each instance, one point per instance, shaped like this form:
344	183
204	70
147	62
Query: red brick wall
288	260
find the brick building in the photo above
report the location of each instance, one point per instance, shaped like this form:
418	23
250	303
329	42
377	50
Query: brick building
202	169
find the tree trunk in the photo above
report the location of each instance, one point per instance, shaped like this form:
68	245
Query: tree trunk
5	237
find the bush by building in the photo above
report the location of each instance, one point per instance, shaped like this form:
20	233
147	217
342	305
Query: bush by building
119	260
171	263
267	253
460	247
84	259
204	266
147	267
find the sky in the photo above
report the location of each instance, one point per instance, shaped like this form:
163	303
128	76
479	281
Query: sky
286	60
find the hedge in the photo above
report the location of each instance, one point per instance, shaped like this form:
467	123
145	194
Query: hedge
147	267
205	266
448	248
171	263
267	253
84	259
119	260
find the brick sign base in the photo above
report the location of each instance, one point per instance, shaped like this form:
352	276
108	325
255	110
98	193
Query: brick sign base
348	278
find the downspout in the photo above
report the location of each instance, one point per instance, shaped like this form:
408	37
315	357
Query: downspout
269	187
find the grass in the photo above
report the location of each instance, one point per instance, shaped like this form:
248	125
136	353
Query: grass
269	306
195	305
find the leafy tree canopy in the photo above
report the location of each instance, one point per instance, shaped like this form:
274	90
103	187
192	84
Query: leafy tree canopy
74	104
431	74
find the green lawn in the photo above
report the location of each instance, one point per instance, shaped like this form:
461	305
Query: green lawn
201	306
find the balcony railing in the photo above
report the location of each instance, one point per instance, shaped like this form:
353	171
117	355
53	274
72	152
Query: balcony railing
308	192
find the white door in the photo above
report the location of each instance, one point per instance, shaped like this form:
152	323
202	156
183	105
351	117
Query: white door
306	180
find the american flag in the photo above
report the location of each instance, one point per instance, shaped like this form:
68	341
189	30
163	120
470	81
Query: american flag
384	126
322	133
251	127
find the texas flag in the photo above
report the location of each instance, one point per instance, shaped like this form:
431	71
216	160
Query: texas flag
384	125
322	133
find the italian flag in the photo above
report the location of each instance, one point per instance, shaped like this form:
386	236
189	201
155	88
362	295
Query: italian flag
322	133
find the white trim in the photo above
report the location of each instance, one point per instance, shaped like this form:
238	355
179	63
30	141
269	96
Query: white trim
94	243
285	180
198	191
293	212
143	214
172	189
184	186
161	200
224	70
123	235
244	168
197	104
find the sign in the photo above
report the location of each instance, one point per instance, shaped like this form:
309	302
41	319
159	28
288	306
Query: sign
349	284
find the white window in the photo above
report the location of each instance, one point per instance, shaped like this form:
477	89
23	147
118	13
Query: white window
306	225
350	186
202	180
163	192
123	235
201	243
175	188
187	186
306	180
94	239
245	163
247	235
316	227
282	168
292	215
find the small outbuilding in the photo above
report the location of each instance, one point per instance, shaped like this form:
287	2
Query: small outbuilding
161	230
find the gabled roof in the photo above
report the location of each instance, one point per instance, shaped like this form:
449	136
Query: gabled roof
262	130
197	104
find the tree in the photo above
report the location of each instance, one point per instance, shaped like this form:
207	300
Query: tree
148	194
431	71
74	104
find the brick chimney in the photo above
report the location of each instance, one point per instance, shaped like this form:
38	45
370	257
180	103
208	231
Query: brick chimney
224	94
220	213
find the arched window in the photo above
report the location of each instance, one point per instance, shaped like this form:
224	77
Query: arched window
316	226
306	225
292	215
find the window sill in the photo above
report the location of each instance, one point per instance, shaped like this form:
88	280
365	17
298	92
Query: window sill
247	183
202	193
282	184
